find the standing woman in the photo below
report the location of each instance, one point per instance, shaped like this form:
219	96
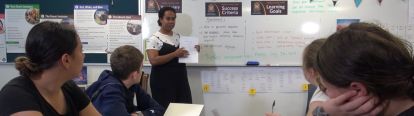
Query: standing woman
45	87
169	81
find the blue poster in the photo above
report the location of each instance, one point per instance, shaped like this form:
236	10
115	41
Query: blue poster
342	23
83	77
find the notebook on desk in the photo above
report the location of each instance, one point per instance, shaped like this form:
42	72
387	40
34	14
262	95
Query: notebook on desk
180	109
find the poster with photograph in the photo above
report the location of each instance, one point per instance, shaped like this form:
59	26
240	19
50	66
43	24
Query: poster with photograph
83	77
3	57
153	6
269	7
223	9
60	18
124	30
20	18
91	23
342	23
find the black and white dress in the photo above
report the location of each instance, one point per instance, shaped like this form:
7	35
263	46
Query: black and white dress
169	82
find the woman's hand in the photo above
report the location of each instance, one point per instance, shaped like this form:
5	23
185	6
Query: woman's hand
181	52
197	47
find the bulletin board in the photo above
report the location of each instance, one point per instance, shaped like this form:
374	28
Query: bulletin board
57	8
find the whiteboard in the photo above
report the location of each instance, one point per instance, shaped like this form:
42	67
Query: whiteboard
233	100
275	40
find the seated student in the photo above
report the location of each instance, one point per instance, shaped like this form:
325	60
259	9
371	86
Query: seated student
114	91
319	97
309	55
371	65
312	76
45	87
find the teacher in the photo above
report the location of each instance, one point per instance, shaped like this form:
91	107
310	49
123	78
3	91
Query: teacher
169	83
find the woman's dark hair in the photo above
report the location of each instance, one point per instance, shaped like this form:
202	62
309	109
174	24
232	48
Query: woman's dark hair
161	13
371	56
310	52
45	45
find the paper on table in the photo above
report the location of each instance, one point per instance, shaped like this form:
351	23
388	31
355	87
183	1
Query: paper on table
188	43
178	109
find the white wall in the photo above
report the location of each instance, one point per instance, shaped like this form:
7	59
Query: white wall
7	72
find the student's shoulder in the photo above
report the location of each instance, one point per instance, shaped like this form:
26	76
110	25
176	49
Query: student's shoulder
19	95
113	87
19	85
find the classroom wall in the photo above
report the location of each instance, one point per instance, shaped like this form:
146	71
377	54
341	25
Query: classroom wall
240	104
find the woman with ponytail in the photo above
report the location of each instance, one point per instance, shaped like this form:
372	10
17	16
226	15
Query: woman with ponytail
371	62
53	58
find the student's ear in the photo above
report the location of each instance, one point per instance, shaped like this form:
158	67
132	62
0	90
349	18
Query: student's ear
314	73
65	61
359	88
310	75
132	75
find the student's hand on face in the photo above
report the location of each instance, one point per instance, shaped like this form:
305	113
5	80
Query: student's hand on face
272	114
181	52
344	105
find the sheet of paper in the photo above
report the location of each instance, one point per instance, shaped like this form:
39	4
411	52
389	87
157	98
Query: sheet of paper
179	109
20	18
188	43
91	24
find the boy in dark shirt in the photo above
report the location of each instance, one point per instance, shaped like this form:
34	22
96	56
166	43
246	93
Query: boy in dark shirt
113	92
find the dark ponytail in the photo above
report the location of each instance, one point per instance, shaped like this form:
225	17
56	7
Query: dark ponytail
25	66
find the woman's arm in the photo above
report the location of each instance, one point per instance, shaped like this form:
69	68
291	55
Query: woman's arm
156	59
89	111
27	113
